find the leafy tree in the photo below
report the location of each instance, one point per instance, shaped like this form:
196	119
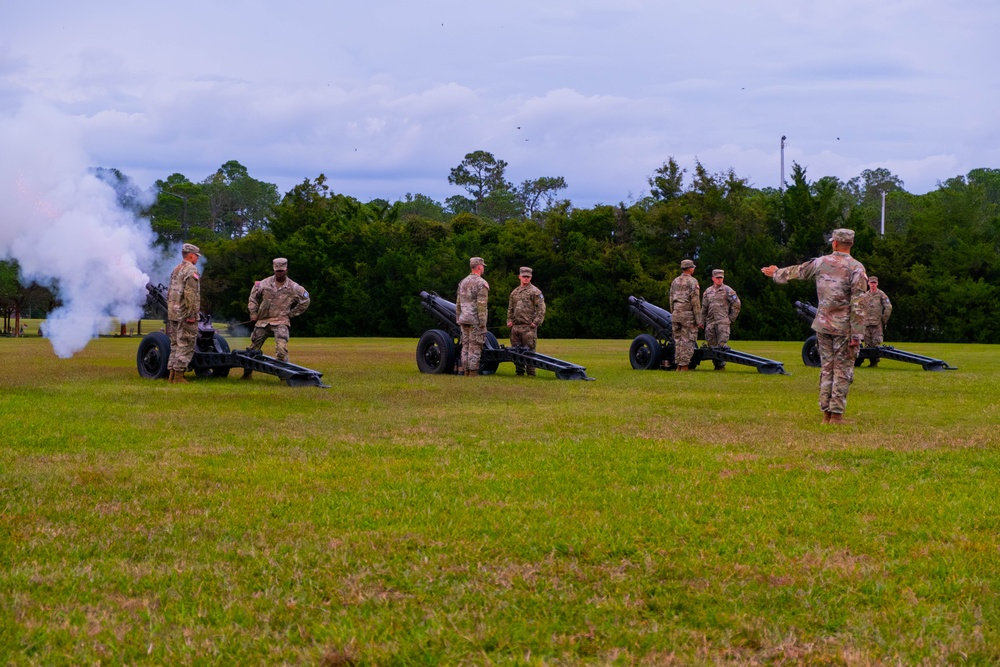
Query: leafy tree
239	203
667	181
545	189
481	175
181	211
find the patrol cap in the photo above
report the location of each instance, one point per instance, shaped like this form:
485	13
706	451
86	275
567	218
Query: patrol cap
190	247
476	261
280	263
873	279
525	271
843	236
718	273
687	264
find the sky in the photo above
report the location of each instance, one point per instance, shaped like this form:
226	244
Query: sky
386	97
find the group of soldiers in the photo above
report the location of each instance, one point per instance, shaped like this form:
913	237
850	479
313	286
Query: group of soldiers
525	313
848	314
273	302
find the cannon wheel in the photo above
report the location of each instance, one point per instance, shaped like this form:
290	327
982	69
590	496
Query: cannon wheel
153	355
221	346
491	343
810	352
645	353
436	352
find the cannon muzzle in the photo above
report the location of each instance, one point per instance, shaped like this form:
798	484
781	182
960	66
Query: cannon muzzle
654	317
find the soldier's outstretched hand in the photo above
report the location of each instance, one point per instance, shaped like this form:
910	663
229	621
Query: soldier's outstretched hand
769	271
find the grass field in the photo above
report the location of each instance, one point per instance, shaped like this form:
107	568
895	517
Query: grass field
406	519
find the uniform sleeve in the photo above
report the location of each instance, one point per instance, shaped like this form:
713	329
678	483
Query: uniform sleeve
192	296
886	308
254	302
696	302
734	305
859	283
704	306
539	308
301	304
804	271
510	306
482	298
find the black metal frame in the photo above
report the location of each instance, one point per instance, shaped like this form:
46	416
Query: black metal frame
644	356
435	356
212	356
810	357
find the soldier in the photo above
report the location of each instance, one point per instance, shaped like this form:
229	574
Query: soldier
877	310
719	308
183	304
273	302
525	313
685	311
470	312
839	321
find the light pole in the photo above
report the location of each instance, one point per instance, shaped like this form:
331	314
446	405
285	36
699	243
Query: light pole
781	185
883	212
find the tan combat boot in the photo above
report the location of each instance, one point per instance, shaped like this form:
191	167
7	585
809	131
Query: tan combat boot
170	378
836	418
682	368
826	417
179	378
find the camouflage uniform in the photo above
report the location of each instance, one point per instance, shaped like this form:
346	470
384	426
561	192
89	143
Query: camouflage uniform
183	304
877	310
273	304
685	312
470	312
719	308
526	307
840	285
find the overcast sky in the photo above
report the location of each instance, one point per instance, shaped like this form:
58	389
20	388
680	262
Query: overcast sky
386	97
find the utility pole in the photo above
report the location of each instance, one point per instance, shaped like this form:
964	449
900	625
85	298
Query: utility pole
781	186
883	212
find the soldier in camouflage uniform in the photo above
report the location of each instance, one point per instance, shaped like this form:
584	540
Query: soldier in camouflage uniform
719	308
273	302
470	312
183	304
685	312
525	313
877	311
840	318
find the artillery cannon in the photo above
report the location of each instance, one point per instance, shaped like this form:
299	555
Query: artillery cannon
212	356
440	350
810	349
656	350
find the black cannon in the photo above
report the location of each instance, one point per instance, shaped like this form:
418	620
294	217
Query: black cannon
810	349
212	356
440	350
656	350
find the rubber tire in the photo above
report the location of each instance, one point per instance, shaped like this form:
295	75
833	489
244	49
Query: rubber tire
222	347
645	353
153	355
810	352
436	352
490	343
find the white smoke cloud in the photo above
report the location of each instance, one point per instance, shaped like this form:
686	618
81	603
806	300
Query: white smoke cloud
66	229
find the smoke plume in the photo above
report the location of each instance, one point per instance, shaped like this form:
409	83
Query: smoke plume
66	228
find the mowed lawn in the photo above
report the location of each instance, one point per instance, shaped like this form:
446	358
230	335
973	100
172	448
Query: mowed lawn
396	518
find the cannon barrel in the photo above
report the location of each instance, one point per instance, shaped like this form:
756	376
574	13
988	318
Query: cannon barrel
156	300
654	317
443	311
806	311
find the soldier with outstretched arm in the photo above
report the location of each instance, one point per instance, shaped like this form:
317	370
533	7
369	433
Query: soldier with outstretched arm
840	318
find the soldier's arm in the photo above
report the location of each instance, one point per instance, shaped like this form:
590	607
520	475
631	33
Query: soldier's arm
539	309
858	284
254	303
734	305
804	271
192	297
482	299
886	308
704	306
510	309
303	303
696	304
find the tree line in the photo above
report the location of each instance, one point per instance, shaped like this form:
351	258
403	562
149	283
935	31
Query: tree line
364	263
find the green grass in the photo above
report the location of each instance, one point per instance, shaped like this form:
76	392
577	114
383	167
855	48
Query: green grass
398	518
